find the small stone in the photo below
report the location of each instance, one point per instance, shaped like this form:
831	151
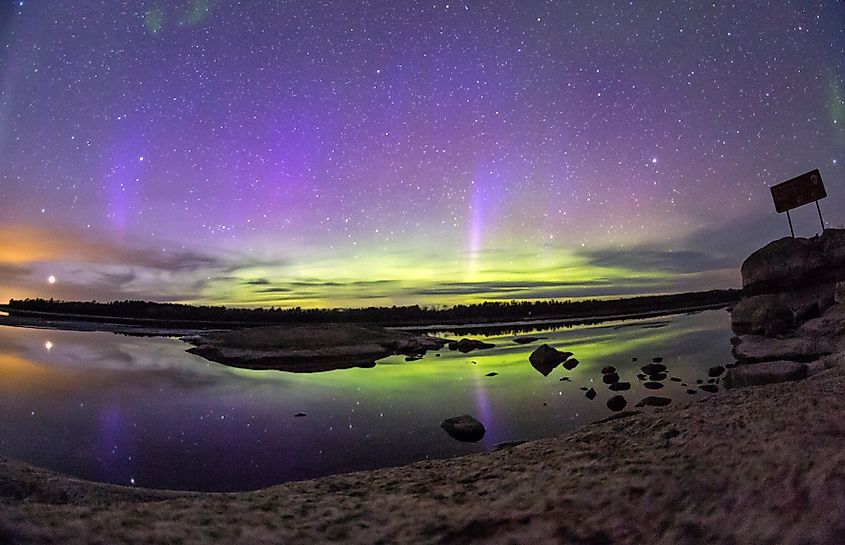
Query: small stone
564	379
692	392
654	401
658	376
616	403
642	376
620	386
653	385
610	378
634	360
299	415
464	428
711	388
715	371
657	360
591	394
699	381
491	374
608	369
583	388
674	379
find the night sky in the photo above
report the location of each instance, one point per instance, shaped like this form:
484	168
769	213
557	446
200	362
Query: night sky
340	153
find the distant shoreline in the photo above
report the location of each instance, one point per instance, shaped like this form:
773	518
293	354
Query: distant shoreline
488	316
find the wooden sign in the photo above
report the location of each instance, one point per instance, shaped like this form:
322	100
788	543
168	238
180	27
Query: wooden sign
798	191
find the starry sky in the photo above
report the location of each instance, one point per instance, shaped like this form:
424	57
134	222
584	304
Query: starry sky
355	153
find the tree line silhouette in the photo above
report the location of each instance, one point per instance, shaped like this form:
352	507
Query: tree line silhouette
181	314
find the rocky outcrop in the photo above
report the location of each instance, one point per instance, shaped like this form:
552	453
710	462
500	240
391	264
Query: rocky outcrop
756	348
789	281
308	348
770	372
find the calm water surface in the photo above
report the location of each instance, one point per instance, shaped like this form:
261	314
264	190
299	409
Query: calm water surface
142	411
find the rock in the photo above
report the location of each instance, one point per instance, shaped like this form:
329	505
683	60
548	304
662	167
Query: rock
715	371
807	311
674	379
781	264
608	369
564	379
692	392
653	368
642	376
610	378
699	381
413	358
299	415
833	245
570	364
776	328
830	325
617	403
751	314
755	348
654	401
658	376
619	386
764	373
653	385
526	340
464	428
839	293
545	358
591	394
491	374
711	388
468	345
712	380
657	360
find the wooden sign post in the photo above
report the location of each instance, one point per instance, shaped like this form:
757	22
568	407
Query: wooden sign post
797	192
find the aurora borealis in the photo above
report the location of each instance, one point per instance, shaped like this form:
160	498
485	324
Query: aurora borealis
340	153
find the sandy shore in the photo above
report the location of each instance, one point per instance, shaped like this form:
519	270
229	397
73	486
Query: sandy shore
752	465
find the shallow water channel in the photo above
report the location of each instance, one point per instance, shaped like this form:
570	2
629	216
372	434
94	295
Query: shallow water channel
141	411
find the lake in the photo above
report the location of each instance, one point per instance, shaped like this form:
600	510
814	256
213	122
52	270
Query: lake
141	411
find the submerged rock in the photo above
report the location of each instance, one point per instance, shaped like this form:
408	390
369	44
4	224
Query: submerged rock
757	374
570	364
591	394
617	403
545	358
653	368
468	345
657	376
619	386
610	378
526	340
653	385
464	428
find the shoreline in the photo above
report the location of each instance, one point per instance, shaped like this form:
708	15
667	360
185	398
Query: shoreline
53	322
664	476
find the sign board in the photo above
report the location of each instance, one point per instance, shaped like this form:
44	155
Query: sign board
798	191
